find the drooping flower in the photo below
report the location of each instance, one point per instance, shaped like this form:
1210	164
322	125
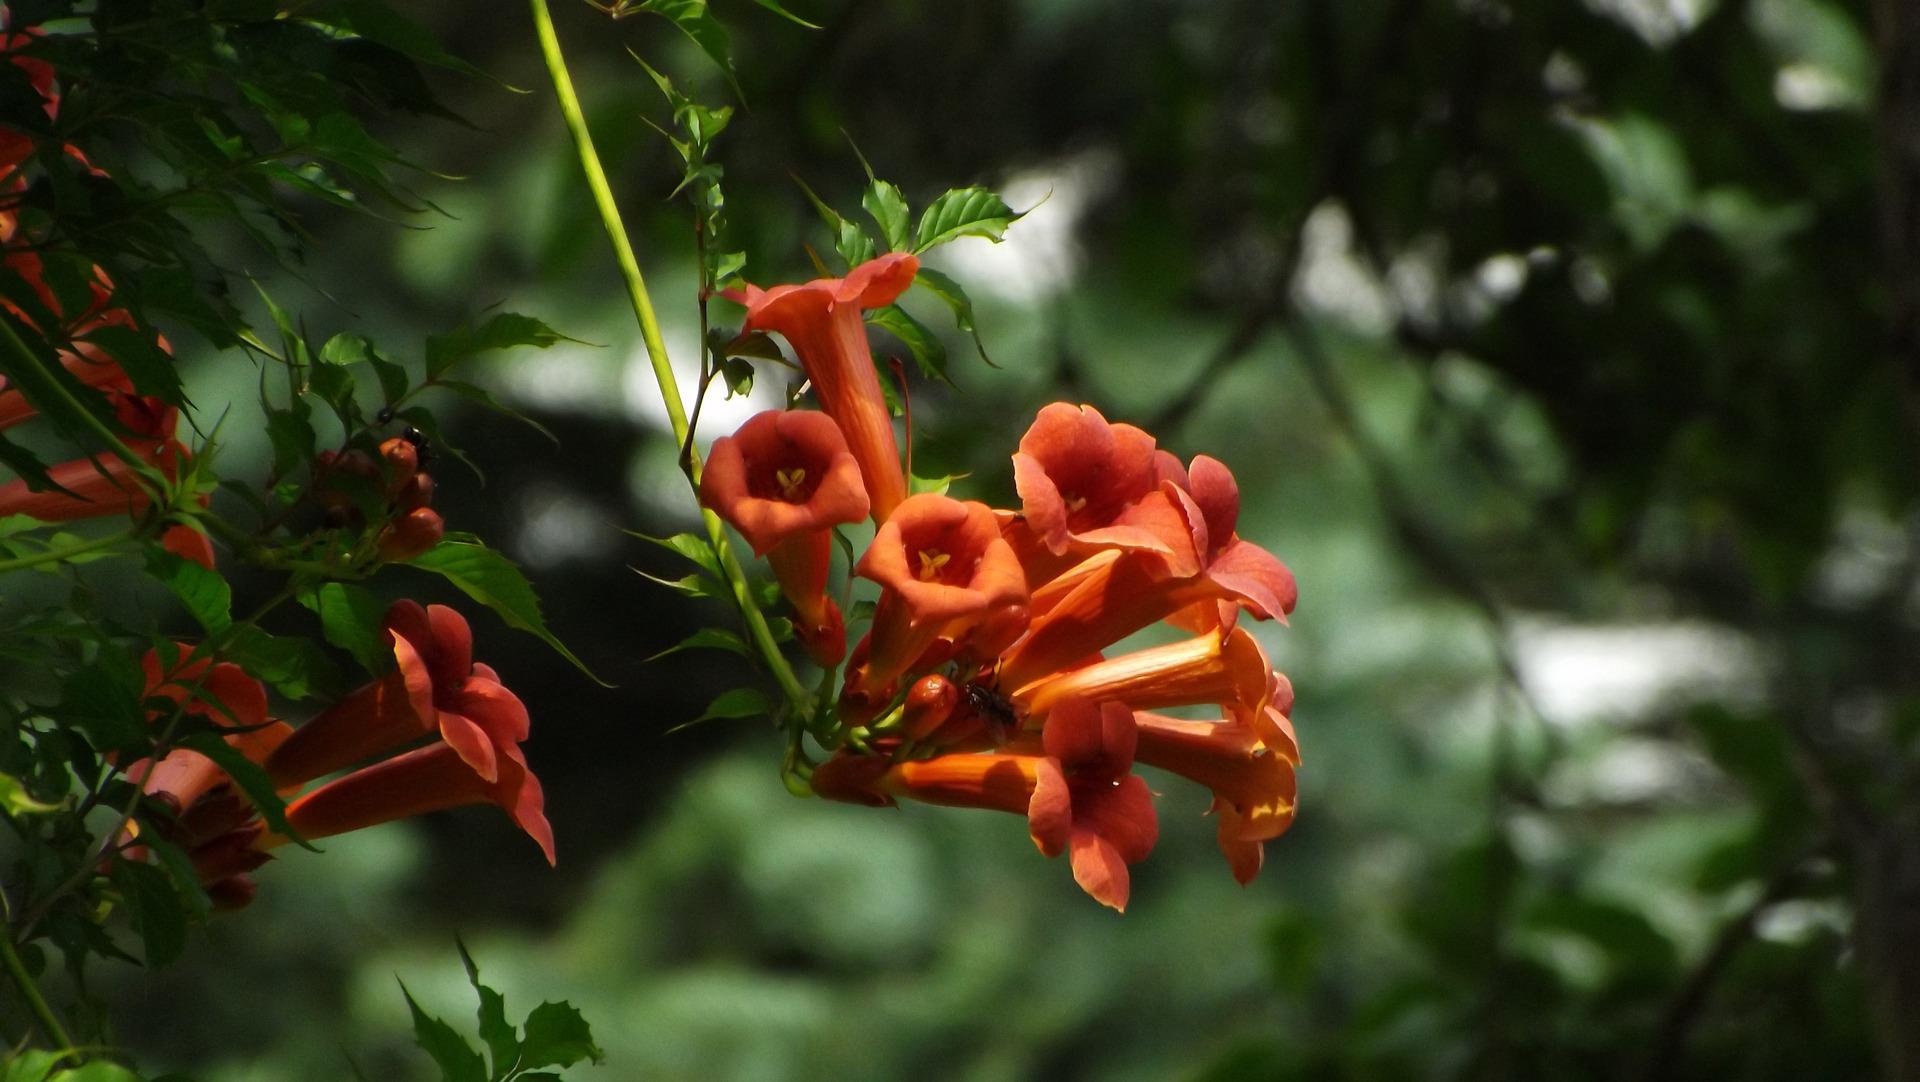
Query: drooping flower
435	687
943	569
785	480
821	320
433	778
105	484
1228	669
1253	782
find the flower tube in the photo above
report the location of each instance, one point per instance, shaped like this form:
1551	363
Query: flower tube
821	320
433	778
785	480
1208	668
1253	783
434	686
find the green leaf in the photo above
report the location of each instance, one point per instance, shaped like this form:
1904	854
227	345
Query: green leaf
353	619
205	594
694	585
503	1044
939	485
728	705
293	667
494	581
557	1037
774	6
849	240
15	799
155	907
957	300
738	374
485	397
247	774
929	353
694	547
888	208
708	638
104	701
457	1060
964	212
139	355
699	25
506	330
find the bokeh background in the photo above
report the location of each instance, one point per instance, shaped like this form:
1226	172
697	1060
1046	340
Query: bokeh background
1559	348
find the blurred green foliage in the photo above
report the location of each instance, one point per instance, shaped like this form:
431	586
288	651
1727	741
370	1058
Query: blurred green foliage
1549	344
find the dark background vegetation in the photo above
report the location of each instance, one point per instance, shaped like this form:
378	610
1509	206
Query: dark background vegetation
1566	351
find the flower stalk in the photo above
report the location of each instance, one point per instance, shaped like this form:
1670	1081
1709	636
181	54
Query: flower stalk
642	302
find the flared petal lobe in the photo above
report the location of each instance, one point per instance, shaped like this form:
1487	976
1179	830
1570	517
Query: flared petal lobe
821	320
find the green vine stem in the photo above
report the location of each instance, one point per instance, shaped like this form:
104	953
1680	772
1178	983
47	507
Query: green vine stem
30	992
762	635
54	556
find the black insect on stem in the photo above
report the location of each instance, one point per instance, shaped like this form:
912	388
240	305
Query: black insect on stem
1001	716
422	446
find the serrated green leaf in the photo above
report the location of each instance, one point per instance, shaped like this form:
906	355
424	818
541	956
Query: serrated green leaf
494	581
155	908
457	1060
246	774
708	638
293	667
929	353
486	398
506	330
353	619
964	212
849	240
888	208
728	705
698	24
774	6
139	355
503	1044
939	485
694	547
956	299
556	1036
205	594
738	374
694	585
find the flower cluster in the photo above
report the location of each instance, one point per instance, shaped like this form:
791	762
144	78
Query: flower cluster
394	483
985	678
437	731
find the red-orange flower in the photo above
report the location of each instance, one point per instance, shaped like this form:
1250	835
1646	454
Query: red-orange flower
426	779
821	320
784	480
943	569
1080	479
1228	669
1079	797
1252	781
435	686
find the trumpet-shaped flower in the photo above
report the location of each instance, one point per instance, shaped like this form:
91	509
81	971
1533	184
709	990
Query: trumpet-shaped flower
435	686
1081	480
943	569
427	779
1078	793
1253	782
785	480
821	320
1228	669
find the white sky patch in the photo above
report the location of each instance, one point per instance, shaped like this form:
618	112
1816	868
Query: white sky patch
640	394
1605	672
1806	87
556	526
1041	255
1658	22
1332	279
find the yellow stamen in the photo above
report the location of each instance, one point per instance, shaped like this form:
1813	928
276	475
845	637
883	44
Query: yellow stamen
1075	503
790	481
931	561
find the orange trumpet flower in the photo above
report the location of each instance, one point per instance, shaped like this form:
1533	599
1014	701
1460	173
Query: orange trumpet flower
785	480
821	320
1081	478
1253	782
434	686
427	779
943	570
